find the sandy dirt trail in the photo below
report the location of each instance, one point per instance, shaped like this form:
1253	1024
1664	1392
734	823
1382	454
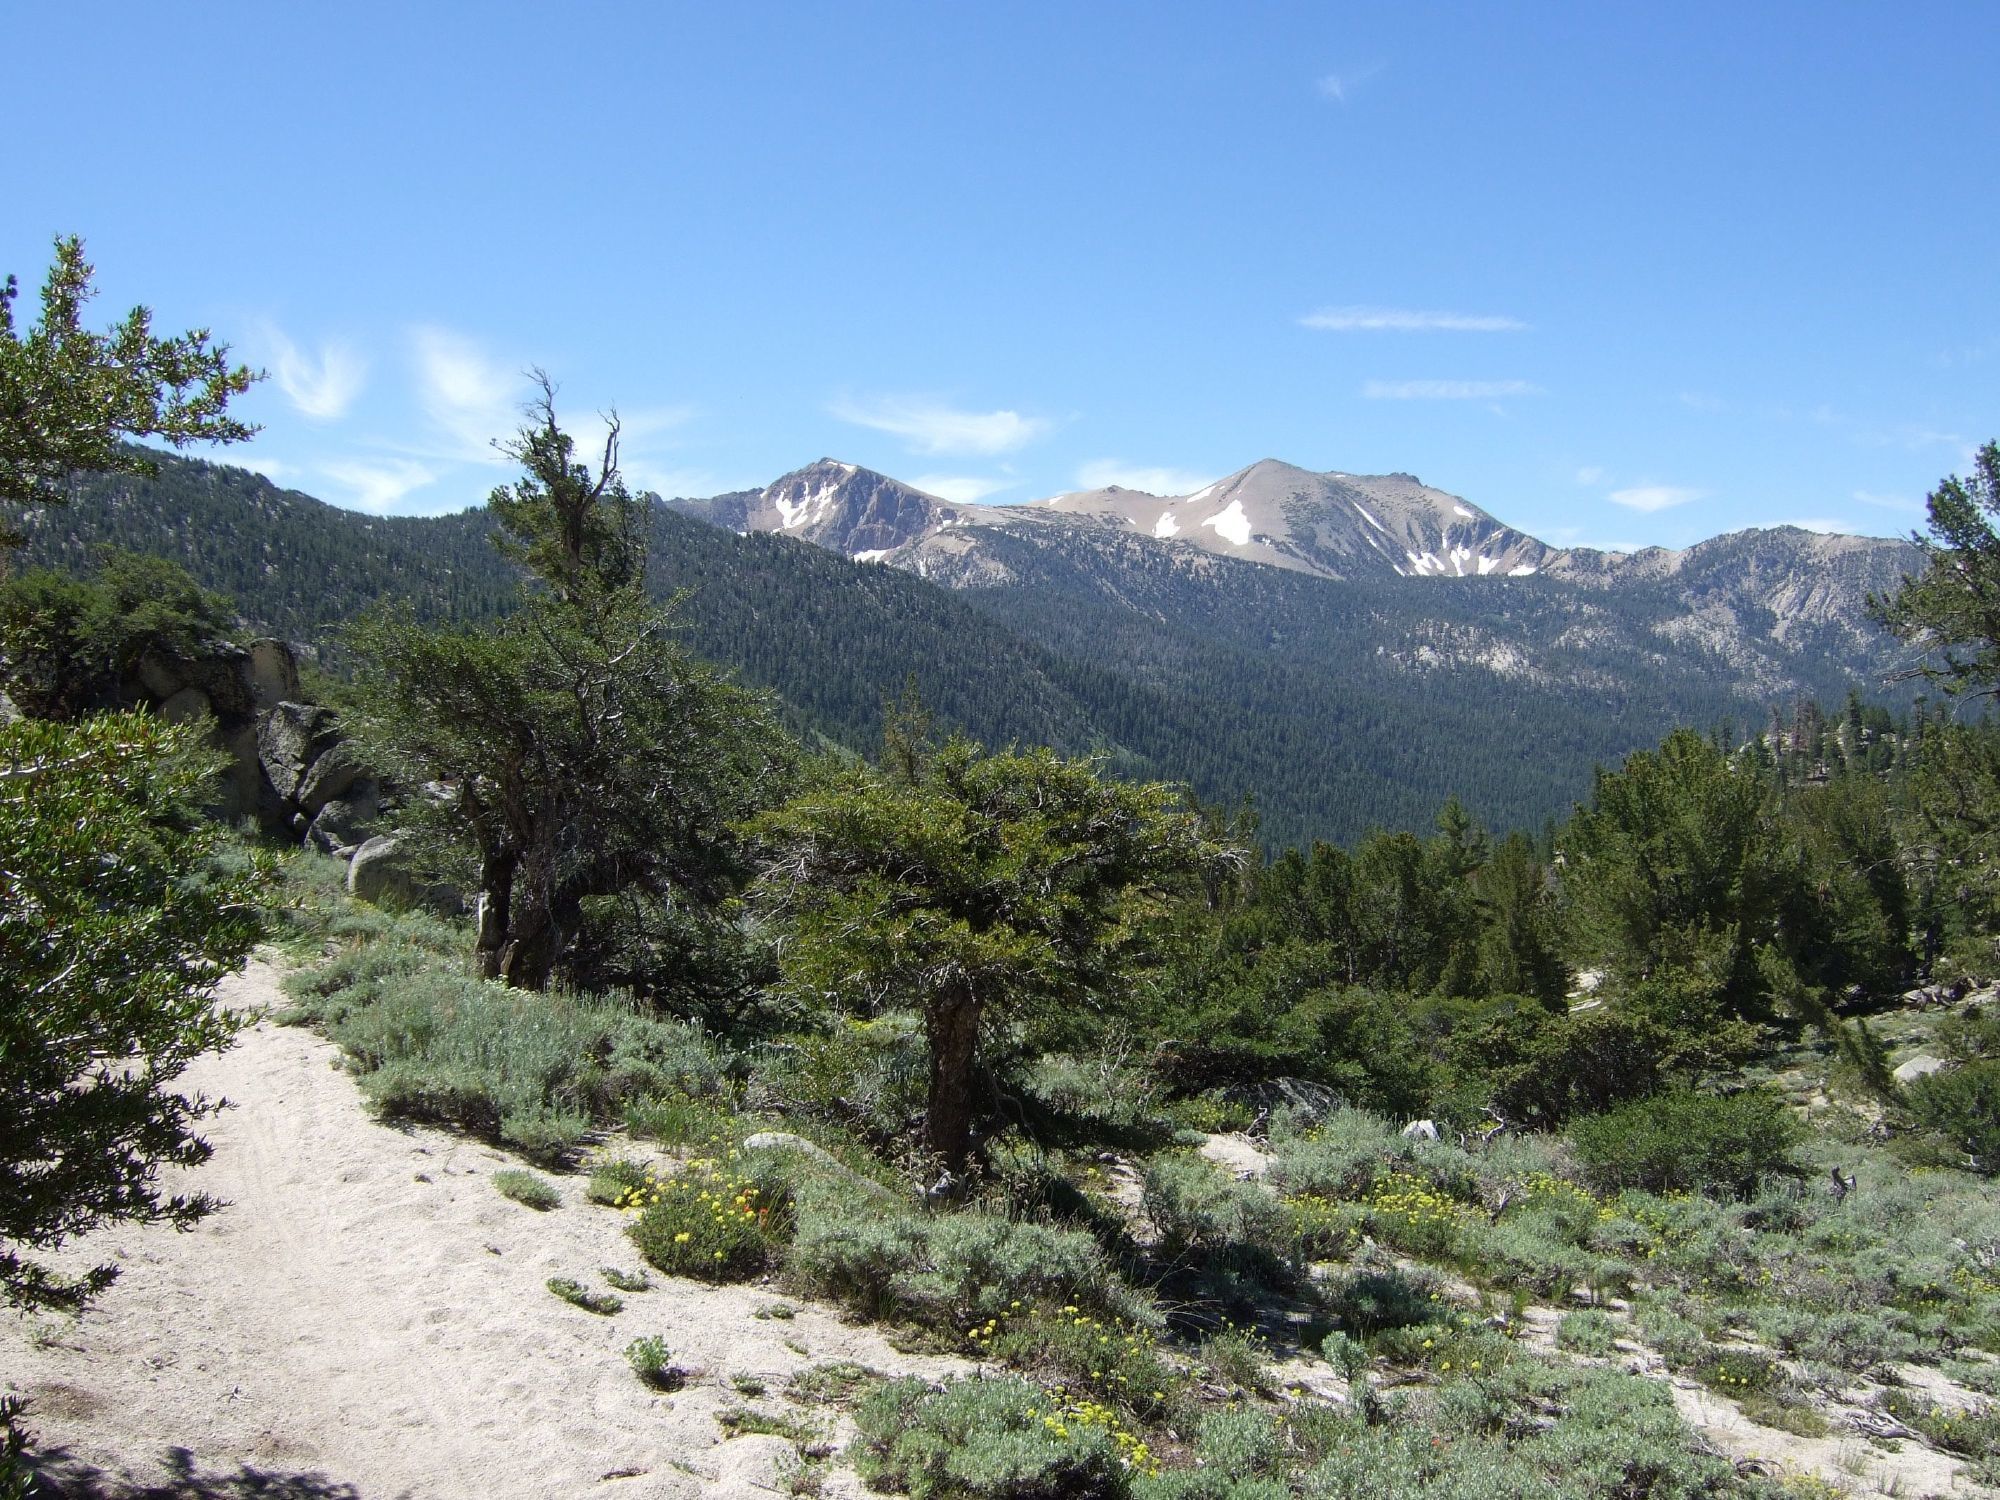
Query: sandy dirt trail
368	1318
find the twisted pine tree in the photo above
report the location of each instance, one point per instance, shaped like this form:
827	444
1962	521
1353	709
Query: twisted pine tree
581	751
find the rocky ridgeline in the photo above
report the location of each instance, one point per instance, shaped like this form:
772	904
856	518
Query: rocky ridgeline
289	767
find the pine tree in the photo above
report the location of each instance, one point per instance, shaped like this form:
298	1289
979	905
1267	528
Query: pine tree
990	885
71	400
582	751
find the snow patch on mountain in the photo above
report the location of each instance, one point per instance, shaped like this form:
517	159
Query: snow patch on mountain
809	509
1231	524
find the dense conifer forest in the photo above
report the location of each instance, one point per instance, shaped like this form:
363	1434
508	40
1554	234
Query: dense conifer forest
1333	707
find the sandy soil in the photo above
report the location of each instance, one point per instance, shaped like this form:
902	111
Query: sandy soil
368	1318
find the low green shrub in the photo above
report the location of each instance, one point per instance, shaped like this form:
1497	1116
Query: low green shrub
840	1383
1679	1339
1370	1301
653	1362
1737	1371
1528	1250
1962	1105
577	1294
1689	1141
1588	1332
1345	1353
1338	1158
1322	1228
1409	1212
1239	1453
612	1183
1107	1096
1212	1113
538	1071
1845	1339
675	1119
866	1074
333	991
947	1271
626	1281
1202	1214
990	1438
1068	1349
1238	1357
716	1221
1022	1181
526	1189
1973	1432
1458	1347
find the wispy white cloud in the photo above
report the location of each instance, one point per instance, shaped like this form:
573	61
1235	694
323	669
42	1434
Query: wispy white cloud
273	469
1969	354
1447	390
932	427
321	386
378	484
1339	87
669	481
1103	473
1652	497
645	441
1701	401
1915	436
963	489
471	398
1407	320
1590	474
1890	502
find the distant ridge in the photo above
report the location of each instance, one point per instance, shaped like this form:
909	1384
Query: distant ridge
1339	703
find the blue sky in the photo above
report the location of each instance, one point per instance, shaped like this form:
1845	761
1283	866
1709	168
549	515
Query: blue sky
1618	274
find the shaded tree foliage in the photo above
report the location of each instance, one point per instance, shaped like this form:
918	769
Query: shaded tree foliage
67	643
580	751
70	398
114	930
989	885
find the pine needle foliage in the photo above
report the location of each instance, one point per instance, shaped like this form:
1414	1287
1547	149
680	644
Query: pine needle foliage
114	930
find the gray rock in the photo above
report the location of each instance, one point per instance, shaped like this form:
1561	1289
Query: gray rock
341	821
162	676
9	714
220	669
1920	1066
289	739
241	790
375	872
331	775
188	703
271	674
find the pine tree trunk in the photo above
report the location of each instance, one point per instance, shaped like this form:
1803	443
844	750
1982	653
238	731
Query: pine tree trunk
534	939
496	911
951	1026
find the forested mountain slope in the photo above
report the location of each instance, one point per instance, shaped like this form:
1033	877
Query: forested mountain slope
1337	705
